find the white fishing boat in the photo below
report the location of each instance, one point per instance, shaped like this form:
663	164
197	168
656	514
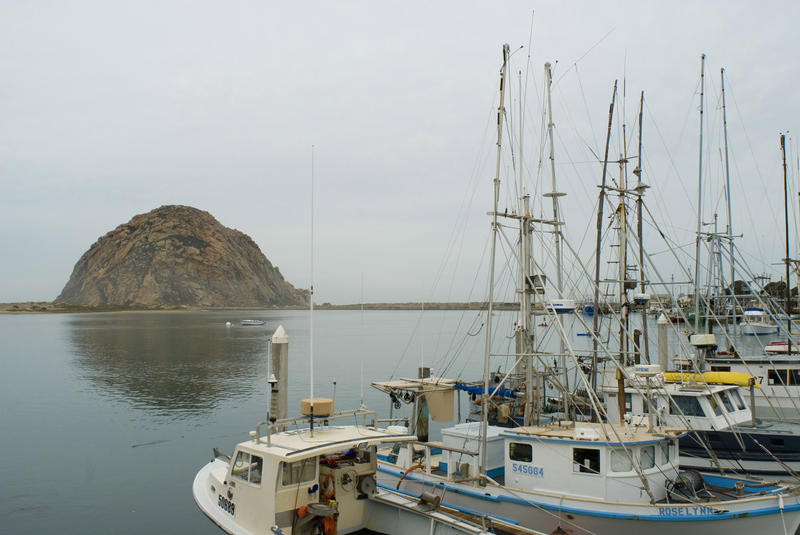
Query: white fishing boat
322	480
756	322
596	478
724	436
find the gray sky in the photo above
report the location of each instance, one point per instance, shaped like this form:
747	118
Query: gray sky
111	109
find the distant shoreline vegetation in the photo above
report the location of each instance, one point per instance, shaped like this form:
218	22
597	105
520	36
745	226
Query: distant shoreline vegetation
29	307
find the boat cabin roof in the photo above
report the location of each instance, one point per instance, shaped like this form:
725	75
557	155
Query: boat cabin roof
596	433
300	444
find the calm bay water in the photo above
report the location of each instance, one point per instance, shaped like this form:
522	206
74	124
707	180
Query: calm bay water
106	418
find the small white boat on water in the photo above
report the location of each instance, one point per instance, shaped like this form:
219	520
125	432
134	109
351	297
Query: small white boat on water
321	480
756	322
252	323
560	306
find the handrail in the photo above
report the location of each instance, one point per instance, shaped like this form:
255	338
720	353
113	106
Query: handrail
285	422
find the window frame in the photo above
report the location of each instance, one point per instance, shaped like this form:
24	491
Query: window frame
582	468
512	450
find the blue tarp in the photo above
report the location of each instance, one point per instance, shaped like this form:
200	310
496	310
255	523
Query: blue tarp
478	390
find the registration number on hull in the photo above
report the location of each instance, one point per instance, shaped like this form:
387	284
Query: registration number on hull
226	505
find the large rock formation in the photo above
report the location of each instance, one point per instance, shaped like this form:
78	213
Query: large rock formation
177	256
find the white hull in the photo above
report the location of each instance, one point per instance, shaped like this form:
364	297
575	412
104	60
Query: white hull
547	511
757	329
766	470
385	512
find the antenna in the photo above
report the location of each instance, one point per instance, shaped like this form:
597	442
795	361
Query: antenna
362	338
311	305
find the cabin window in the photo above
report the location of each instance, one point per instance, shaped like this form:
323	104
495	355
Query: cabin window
520	452
248	467
586	460
737	398
300	472
648	458
686	406
794	376
714	404
726	401
777	377
620	461
776	442
720	368
664	447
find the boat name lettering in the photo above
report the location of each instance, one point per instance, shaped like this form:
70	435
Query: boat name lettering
535	471
685	511
226	505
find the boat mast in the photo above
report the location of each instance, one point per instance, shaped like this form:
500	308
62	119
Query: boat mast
554	195
600	203
640	187
490	307
699	201
787	259
524	334
728	188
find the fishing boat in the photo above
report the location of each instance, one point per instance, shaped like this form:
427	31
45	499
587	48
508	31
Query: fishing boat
585	477
322	479
756	322
723	434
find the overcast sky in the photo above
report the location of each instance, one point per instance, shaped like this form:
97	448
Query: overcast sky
111	109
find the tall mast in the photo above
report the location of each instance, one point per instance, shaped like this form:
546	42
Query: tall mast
699	202
490	307
640	187
728	189
622	271
554	195
787	259
622	221
524	333
600	204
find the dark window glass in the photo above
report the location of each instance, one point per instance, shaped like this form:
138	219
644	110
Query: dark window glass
586	460
520	452
686	406
777	377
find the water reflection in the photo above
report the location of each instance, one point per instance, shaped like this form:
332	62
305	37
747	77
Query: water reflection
170	361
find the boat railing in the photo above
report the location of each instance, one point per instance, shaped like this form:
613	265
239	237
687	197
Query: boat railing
456	471
279	425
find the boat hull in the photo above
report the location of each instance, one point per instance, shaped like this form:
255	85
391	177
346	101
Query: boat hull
573	514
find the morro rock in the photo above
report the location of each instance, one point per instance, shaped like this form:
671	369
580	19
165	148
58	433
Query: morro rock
177	256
